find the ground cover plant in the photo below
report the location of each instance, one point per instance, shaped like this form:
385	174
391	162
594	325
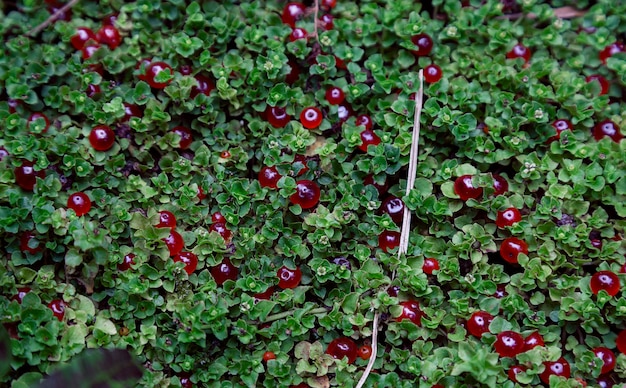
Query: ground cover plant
219	189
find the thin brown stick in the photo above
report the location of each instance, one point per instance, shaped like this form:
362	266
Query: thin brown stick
51	19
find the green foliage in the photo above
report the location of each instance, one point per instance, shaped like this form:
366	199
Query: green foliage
487	116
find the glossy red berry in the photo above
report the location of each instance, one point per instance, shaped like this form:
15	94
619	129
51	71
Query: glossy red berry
604	84
269	177
127	262
204	85
364	352
277	116
464	188
342	347
189	259
533	340
607	356
222	230
430	265
509	344
186	137
307	194
560	126
153	70
519	51
174	242
80	203
610	50
364	120
269	356
500	185
109	35
224	271
35	116
292	13
21	293
289	278
388	240
82	36
432	73
605	280
327	22
167	219
508	217
511	248
393	206
514	371
89	50
101	138
559	367
26	175
478	323
311	117
298	33
607	128
130	111
29	243
424	44
58	308
411	311
334	95
368	138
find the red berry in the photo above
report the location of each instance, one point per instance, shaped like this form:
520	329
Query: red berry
189	259
514	371
430	265
464	188
277	116
509	344
37	115
221	229
101	138
607	356
394	207
424	44
607	128
364	352
218	217
500	185
610	50
292	13
334	95
204	86
519	51
186	137
605	280
478	323
368	138
327	22
328	4
26	176
307	194
364	120
21	293
604	84
89	50
342	347
533	340
289	278
27	245
311	117
127	262
80	203
269	177
560	126
130	111
267	294
508	217
174	242
511	247
559	367
58	308
388	240
269	356
152	70
83	35
298	33
167	219
109	35
411	311
224	271
432	73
